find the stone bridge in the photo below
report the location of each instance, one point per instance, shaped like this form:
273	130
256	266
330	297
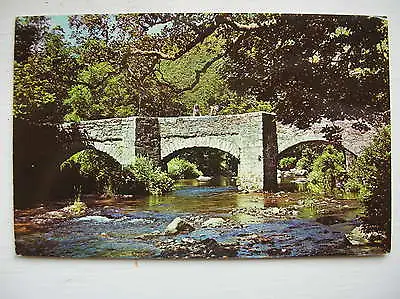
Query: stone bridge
254	139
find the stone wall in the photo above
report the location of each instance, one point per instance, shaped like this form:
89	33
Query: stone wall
147	140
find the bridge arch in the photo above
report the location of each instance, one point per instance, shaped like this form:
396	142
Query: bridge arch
282	152
169	149
348	154
209	160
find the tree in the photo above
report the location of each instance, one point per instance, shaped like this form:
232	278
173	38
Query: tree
312	67
307	66
105	39
328	172
29	34
303	67
371	176
42	80
100	93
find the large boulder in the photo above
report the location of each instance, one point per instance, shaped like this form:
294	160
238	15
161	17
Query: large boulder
362	235
178	225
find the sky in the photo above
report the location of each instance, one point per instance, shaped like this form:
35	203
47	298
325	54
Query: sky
62	20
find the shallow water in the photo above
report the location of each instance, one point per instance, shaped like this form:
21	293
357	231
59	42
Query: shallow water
133	228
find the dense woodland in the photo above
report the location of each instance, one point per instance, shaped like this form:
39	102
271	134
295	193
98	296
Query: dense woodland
301	67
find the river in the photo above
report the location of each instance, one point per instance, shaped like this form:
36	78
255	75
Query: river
248	225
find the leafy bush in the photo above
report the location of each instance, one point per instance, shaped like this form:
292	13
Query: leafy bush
78	208
287	163
182	169
149	177
328	172
371	176
308	156
92	170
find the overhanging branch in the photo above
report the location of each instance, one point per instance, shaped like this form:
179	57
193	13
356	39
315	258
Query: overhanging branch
219	20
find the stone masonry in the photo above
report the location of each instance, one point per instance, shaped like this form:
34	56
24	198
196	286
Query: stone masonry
250	137
254	139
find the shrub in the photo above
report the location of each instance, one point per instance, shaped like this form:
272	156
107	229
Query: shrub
328	172
149	177
287	163
371	176
92	170
308	156
183	169
78	208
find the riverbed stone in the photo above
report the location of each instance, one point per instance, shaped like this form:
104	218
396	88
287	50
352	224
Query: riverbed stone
357	237
214	222
177	226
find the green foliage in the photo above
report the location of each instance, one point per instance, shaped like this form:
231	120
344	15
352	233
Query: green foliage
302	67
182	72
94	170
78	208
211	162
33	99
371	176
305	153
42	80
182	169
328	172
100	94
313	66
287	163
308	156
150	177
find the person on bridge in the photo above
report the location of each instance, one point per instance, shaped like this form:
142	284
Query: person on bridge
196	110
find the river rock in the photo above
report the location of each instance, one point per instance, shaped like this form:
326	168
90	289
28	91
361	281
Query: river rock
274	210
94	218
300	172
177	226
213	222
204	178
299	180
357	237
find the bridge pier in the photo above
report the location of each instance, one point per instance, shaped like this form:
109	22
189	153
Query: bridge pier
258	156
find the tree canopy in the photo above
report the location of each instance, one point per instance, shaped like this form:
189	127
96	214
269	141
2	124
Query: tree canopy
302	67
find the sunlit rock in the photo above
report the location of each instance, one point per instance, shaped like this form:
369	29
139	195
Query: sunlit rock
357	237
177	226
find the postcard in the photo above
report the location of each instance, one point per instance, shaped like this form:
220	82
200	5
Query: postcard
201	136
